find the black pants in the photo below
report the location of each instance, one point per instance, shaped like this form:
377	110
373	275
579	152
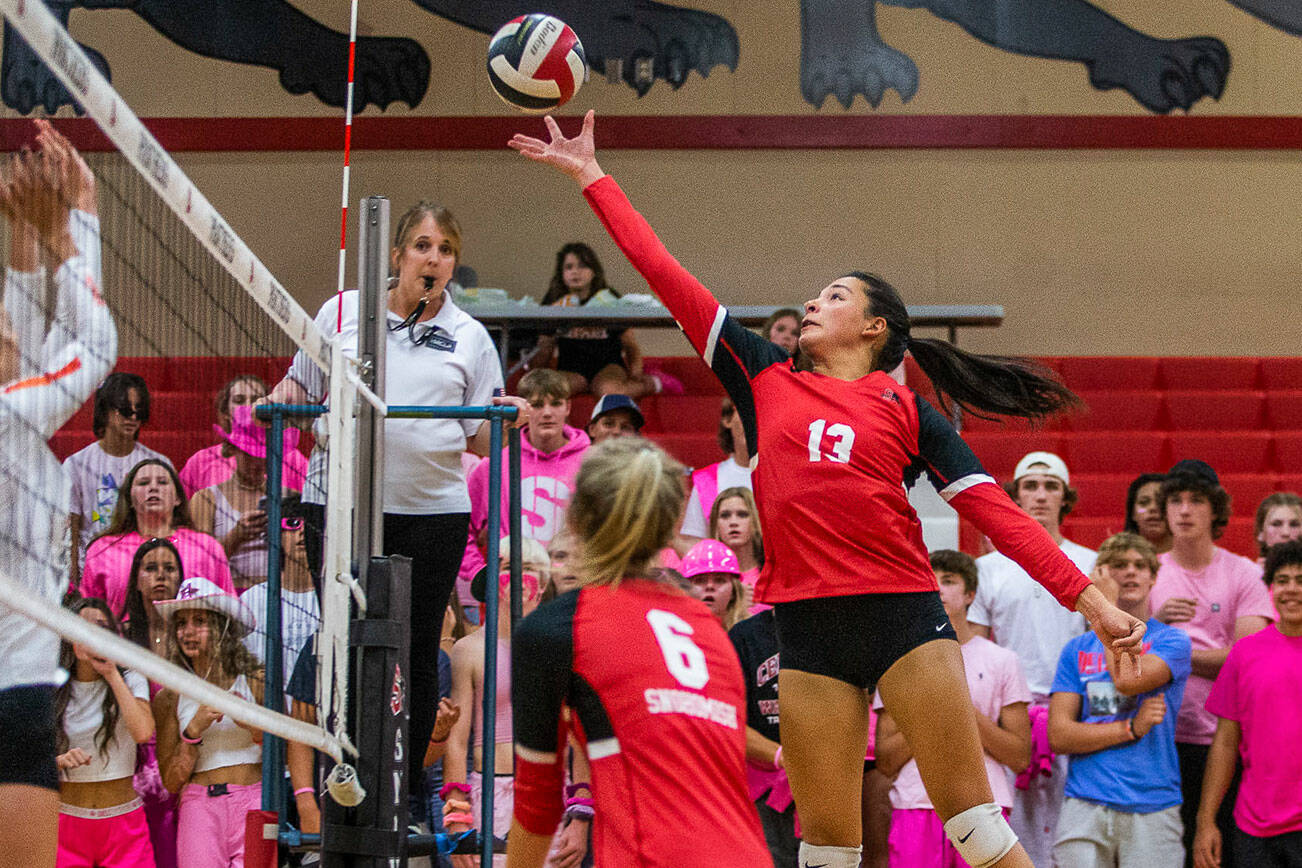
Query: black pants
1277	851
1193	761
435	544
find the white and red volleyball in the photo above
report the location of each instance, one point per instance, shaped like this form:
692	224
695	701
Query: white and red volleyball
536	63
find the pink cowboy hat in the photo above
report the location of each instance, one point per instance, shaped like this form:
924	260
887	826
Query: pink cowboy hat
250	437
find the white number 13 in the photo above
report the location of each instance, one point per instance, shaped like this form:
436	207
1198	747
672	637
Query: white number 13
683	658
842	437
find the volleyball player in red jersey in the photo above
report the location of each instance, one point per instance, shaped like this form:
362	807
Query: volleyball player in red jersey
845	567
656	693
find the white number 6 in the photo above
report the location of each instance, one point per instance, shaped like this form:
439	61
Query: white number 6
683	658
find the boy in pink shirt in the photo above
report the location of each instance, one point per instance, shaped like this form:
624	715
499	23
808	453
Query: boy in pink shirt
550	454
1257	699
1215	596
1001	696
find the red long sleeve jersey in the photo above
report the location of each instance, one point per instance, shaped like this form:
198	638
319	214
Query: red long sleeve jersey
659	705
833	458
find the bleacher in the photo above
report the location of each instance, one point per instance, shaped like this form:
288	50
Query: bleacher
1242	415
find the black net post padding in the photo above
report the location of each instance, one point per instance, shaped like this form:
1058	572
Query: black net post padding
365	836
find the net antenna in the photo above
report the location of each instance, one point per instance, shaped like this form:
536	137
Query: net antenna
66	59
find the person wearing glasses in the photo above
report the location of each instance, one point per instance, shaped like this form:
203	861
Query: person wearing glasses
437	355
300	611
97	471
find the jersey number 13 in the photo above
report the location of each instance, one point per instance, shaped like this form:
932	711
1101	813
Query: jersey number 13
839	436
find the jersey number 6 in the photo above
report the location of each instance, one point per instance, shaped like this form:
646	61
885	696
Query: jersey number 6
841	435
683	658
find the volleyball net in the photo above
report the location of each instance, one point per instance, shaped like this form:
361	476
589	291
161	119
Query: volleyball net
156	305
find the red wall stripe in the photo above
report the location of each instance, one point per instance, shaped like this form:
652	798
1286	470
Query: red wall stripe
709	132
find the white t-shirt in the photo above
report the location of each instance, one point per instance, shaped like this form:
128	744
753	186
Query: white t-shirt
96	477
994	678
81	722
1025	617
696	518
300	615
458	367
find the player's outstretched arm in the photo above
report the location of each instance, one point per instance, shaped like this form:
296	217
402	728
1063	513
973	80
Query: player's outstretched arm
576	157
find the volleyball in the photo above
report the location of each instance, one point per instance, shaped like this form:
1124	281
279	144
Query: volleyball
536	63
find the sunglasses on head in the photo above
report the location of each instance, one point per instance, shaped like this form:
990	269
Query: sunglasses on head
295	523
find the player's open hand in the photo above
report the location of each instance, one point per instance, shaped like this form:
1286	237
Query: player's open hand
576	157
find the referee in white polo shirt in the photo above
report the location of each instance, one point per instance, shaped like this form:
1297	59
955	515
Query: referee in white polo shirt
437	355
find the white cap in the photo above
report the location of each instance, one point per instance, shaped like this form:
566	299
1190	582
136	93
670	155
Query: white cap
1045	463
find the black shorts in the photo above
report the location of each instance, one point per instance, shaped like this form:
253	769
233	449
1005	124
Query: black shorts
856	639
27	737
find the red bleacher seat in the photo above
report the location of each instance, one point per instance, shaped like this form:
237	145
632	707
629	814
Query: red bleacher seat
693	450
695	374
1091	531
581	409
68	440
1101	494
1289	482
1248	489
1086	373
1240	537
1288	453
1119	411
1198	372
1281	372
1000	451
681	413
1284	409
180	411
1227	451
1215	411
1130	452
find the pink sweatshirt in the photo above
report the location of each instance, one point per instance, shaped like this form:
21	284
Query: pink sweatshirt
546	484
108	563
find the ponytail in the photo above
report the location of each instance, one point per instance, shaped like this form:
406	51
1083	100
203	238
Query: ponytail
628	498
984	386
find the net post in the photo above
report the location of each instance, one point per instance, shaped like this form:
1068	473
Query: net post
273	747
372	315
491	593
375	832
513	517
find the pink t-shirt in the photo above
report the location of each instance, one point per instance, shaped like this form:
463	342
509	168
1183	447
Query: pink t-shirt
995	679
207	468
1260	686
108	563
1228	588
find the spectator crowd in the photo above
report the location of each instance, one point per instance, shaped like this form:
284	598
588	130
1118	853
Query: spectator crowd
1191	757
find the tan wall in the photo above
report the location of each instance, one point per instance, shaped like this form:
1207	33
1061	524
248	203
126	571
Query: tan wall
1091	252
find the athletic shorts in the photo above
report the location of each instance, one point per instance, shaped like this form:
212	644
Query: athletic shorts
27	736
855	639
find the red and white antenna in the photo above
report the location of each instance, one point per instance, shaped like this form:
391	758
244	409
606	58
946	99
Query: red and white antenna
348	149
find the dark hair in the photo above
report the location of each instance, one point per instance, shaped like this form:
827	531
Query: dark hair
1177	483
1279	498
556	289
958	563
115	392
984	386
123	519
724	437
107	732
134	615
780	313
1070	496
222	401
1132	494
1287	554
